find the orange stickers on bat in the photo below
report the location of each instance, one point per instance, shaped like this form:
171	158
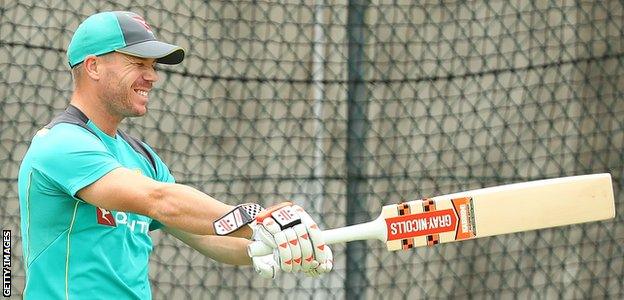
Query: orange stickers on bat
464	210
459	219
420	224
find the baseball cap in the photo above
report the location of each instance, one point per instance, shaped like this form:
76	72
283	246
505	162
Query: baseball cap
121	31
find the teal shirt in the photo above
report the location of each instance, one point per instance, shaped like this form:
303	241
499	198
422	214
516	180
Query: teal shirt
72	249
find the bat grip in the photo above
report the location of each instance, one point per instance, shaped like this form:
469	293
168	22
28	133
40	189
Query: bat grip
374	230
258	248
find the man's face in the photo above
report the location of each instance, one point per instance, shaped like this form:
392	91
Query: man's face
126	82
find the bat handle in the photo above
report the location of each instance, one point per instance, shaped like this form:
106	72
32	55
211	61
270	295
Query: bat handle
257	248
374	230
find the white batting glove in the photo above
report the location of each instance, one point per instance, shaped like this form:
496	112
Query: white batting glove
296	239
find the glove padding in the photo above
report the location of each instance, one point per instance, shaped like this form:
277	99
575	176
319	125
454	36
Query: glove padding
265	265
323	257
297	242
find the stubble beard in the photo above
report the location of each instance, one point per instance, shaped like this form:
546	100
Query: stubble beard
117	99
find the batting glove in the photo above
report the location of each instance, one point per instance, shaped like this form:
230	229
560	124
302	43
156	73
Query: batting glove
296	241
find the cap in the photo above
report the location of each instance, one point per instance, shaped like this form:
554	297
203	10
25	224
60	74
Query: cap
120	31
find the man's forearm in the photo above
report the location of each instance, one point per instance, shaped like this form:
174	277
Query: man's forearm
175	205
225	249
183	207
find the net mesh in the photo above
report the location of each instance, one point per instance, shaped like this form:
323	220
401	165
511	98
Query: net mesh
344	107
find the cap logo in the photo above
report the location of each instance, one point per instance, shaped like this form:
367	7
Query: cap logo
142	22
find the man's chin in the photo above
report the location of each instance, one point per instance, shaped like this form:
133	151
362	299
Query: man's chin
140	114
137	112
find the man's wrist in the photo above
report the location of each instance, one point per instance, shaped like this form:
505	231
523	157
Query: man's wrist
236	219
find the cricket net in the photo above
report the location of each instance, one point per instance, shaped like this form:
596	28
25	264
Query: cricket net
345	106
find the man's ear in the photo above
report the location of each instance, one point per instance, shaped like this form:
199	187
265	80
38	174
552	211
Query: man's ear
91	68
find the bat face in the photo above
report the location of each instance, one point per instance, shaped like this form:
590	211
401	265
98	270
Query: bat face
498	210
428	222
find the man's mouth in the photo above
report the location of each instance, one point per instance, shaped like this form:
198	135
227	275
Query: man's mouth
141	92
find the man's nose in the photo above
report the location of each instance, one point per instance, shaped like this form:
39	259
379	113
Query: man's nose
151	75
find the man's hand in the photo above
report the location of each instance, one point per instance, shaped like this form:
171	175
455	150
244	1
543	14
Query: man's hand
296	241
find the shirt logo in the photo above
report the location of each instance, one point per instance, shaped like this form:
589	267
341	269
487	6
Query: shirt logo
135	223
105	217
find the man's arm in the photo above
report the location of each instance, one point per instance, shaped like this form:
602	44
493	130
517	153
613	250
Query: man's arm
190	214
225	249
175	205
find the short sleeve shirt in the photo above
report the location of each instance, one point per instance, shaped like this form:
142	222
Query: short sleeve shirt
72	249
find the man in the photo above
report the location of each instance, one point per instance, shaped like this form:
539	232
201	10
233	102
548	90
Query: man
89	193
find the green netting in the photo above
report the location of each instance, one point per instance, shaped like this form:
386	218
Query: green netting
344	107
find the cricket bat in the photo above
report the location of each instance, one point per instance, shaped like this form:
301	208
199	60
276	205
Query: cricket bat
480	213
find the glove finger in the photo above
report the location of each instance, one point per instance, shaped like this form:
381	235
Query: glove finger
295	249
284	254
314	233
318	245
265	232
329	261
307	254
265	266
322	252
263	235
271	226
